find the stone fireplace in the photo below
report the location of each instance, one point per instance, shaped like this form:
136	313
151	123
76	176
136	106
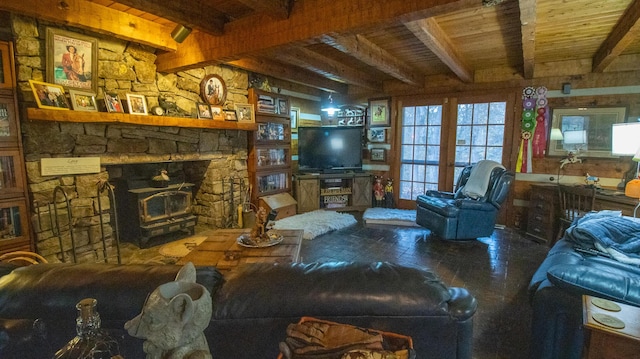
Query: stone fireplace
128	154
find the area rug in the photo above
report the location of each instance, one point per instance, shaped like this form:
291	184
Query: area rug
391	216
181	247
316	223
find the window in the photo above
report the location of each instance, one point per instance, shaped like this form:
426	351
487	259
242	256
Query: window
420	150
479	133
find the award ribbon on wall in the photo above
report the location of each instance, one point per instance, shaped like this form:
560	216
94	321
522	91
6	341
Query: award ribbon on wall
534	124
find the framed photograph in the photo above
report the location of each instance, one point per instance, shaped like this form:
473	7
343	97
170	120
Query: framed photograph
213	90
217	113
380	112
585	131
137	104
295	115
378	154
230	115
377	135
49	96
83	101
245	113
283	106
113	103
204	111
72	60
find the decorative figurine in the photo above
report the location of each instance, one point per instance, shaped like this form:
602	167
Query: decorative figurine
173	319
388	194
258	231
571	158
378	191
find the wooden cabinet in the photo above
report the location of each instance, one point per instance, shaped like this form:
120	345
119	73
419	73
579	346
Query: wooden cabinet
544	208
269	163
542	221
14	207
339	191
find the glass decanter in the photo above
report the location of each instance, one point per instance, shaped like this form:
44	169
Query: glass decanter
91	342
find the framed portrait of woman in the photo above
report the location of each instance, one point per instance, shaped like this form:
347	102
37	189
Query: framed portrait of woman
72	60
213	90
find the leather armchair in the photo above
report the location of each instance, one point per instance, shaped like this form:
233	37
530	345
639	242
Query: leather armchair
456	216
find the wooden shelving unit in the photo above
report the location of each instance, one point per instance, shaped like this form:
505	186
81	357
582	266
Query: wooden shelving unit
125	118
270	146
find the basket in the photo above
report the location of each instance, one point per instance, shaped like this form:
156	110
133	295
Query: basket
402	345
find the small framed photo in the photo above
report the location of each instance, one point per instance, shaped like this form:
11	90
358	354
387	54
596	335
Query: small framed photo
295	116
244	111
376	135
380	112
283	106
49	96
137	104
113	103
378	154
230	115
83	101
204	111
217	113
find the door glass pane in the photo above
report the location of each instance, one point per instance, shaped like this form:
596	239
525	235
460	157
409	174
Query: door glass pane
420	150
480	133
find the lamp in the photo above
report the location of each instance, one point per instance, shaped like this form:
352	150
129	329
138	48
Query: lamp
180	32
575	138
632	189
625	138
556	134
329	107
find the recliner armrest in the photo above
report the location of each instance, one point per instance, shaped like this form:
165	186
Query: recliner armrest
472	204
439	194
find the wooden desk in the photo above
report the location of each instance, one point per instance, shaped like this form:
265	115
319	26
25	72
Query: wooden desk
543	211
606	342
222	250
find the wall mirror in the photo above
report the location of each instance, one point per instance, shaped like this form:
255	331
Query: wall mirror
585	131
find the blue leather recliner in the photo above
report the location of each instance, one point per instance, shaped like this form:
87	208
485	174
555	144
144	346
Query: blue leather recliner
461	216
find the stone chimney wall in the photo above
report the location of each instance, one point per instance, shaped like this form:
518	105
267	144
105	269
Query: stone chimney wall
207	156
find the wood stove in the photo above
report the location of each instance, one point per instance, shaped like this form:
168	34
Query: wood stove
146	212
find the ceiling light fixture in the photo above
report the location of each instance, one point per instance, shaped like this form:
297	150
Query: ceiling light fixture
329	107
179	33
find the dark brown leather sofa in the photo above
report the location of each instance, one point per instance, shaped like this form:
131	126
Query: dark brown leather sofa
251	307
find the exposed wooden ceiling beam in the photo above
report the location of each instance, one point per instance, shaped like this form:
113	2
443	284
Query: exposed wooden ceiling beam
276	9
432	35
289	73
371	54
309	19
528	34
623	34
97	18
326	66
194	14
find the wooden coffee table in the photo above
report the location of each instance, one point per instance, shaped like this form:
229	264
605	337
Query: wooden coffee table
608	341
222	250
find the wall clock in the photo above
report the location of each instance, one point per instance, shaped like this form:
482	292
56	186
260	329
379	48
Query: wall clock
213	90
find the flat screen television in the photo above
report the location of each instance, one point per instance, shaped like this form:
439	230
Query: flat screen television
326	149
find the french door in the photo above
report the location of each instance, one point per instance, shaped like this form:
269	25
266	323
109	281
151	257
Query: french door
437	140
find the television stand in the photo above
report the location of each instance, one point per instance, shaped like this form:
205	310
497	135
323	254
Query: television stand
344	191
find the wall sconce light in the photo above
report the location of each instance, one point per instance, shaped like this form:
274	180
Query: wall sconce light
179	33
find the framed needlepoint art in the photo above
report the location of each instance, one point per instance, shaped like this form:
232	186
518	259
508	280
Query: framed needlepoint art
380	112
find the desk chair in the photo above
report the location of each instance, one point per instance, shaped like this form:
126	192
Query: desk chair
575	202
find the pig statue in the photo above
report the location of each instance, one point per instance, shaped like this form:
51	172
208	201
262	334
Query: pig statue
173	319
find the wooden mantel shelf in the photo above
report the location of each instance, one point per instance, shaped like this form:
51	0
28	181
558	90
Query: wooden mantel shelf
125	118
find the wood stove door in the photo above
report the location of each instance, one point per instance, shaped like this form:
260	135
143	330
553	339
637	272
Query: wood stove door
164	205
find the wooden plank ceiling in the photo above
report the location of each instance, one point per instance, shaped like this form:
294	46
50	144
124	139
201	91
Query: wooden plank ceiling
363	46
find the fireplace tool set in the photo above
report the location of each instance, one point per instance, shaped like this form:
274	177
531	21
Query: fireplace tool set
57	228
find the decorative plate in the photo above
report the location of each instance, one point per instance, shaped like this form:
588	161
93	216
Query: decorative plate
213	90
274	238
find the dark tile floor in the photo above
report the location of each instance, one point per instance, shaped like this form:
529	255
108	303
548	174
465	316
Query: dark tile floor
496	270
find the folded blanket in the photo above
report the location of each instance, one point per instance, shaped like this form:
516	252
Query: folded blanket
609	232
478	181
